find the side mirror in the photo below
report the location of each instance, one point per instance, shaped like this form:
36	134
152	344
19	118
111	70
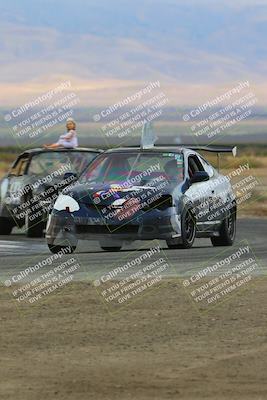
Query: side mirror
70	176
200	176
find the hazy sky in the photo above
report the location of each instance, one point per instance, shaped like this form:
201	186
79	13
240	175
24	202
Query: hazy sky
192	47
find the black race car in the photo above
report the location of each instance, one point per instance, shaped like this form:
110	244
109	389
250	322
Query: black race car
34	182
127	194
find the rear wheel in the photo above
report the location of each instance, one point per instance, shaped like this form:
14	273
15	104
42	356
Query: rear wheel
188	234
6	226
227	232
65	249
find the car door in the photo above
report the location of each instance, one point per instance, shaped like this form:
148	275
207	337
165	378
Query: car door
221	198
198	194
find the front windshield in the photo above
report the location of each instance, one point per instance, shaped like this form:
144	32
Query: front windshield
135	168
47	163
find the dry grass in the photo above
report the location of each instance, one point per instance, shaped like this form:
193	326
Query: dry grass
7	157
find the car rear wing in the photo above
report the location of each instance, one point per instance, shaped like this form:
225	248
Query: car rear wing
212	149
216	149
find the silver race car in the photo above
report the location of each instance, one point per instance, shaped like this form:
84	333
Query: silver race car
33	183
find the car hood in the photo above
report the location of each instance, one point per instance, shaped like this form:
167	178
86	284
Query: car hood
106	194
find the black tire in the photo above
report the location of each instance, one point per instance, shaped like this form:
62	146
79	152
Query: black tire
227	231
113	249
56	249
6	226
34	227
188	234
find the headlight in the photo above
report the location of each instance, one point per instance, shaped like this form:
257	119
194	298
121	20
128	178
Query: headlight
64	202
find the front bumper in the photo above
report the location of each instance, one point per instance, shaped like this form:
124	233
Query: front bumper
155	224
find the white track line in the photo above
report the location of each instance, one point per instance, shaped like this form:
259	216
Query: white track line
18	247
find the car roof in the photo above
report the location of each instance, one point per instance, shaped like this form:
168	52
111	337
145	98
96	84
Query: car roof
76	149
155	149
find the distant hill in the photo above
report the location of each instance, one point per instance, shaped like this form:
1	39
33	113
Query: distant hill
193	46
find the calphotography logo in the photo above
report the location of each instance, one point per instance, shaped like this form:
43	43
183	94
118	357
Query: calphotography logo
42	277
127	118
30	122
133	277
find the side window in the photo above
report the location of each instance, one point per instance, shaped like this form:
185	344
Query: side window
19	168
208	168
194	165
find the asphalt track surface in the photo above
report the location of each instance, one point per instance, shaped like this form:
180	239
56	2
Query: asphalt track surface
18	251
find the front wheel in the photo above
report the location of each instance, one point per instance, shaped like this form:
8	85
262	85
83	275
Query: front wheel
6	226
188	232
227	231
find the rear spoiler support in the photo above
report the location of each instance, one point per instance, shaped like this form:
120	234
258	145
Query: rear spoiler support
218	162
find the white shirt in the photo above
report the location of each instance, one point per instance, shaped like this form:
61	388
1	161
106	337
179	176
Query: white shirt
69	139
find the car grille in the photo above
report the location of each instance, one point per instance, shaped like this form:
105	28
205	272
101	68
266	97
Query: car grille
107	229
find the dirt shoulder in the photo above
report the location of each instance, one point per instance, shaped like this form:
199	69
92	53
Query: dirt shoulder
158	348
